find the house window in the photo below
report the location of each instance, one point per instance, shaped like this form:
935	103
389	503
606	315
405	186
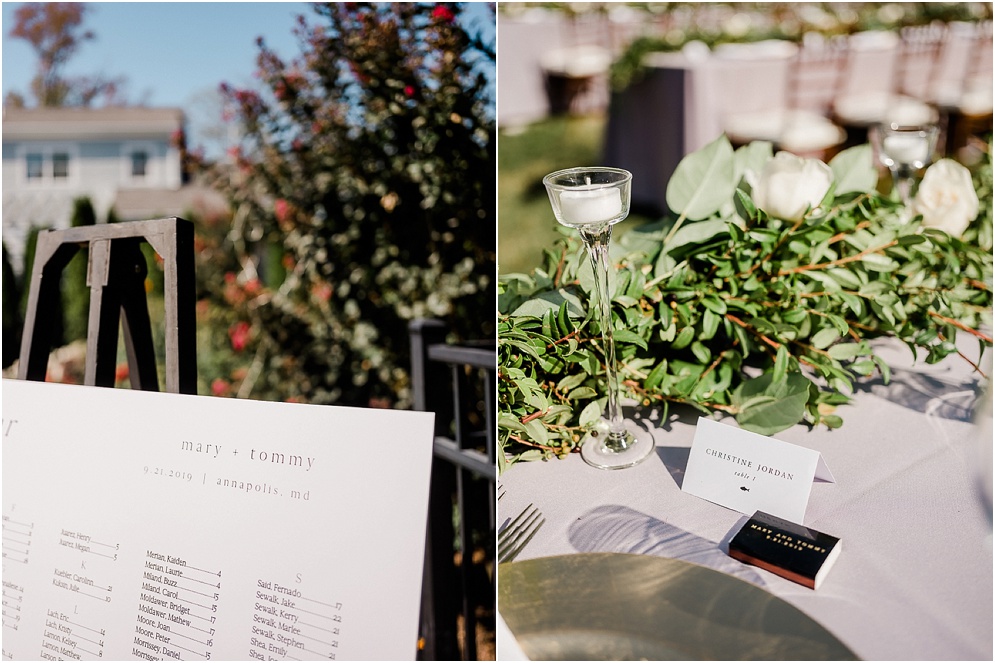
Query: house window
35	166
60	165
139	163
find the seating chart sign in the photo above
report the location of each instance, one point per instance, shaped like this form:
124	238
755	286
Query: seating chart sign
157	526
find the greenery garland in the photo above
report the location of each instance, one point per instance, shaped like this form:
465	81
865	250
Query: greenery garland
727	309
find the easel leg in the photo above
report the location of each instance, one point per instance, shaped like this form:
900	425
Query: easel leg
51	258
105	307
135	324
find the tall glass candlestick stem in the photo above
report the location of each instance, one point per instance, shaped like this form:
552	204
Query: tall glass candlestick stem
905	150
592	200
597	241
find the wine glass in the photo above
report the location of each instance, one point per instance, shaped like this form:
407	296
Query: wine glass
904	150
592	200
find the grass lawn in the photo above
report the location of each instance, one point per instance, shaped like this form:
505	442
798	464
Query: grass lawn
525	220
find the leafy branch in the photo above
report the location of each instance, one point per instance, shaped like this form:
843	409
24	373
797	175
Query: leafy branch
726	308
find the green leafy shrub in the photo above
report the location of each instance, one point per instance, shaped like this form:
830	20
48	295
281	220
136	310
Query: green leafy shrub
727	309
366	173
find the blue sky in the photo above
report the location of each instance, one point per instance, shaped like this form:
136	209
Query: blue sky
176	53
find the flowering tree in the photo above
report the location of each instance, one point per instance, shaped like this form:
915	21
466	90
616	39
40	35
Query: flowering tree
53	30
363	197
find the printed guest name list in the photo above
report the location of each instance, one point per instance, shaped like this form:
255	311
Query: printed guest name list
144	526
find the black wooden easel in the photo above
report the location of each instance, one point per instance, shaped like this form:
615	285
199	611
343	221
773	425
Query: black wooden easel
116	273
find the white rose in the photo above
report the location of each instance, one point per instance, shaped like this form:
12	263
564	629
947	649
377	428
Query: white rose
789	186
946	198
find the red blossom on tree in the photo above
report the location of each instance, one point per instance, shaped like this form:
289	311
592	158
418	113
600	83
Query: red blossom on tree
282	210
321	291
443	13
239	335
253	287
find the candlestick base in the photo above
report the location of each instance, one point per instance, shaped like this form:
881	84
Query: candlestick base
596	450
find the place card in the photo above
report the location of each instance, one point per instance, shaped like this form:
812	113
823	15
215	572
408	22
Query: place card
747	472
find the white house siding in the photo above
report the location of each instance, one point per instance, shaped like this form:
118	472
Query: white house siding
100	143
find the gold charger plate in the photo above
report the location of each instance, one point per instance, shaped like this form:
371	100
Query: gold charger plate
613	606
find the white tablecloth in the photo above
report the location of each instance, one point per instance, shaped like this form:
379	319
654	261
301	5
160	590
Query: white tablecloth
914	580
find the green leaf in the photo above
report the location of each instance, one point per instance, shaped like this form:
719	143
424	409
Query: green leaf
709	325
701	352
845	277
582	392
696	233
745	205
537	431
715	305
883	367
823	338
879	263
530	455
510	422
628	336
854	170
571	382
876	288
910	240
502	460
683	338
844	351
864	367
591	413
563	318
550	301
832	421
524	347
585	274
703	181
780	364
780	406
656	376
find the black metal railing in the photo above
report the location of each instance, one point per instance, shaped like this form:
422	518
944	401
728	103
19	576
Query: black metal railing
458	384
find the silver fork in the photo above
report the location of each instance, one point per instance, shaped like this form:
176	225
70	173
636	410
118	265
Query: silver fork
513	538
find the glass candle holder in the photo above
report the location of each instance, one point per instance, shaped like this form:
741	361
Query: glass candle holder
904	150
592	200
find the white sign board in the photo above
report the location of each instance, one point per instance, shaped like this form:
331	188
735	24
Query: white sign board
158	526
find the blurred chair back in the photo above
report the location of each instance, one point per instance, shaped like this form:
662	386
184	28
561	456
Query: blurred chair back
979	68
753	76
816	74
918	60
871	64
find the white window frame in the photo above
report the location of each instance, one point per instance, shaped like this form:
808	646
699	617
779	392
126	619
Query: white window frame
128	149
48	150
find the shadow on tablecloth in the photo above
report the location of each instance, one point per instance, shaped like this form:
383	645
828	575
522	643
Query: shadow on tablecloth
616	528
936	396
